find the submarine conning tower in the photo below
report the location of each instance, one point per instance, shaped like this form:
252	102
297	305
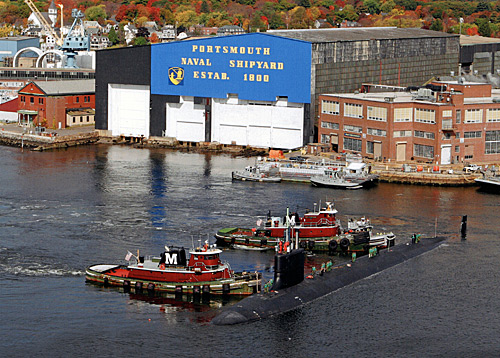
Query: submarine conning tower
288	269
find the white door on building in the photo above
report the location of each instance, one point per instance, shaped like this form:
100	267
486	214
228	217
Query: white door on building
446	154
263	124
186	120
400	152
128	110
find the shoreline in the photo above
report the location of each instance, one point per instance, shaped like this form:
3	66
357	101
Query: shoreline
13	135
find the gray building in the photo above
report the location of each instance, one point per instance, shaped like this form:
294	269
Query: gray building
479	55
344	59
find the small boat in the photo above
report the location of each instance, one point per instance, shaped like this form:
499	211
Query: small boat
317	231
334	181
491	184
255	174
354	176
172	272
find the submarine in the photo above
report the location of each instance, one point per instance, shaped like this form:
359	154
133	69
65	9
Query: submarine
290	290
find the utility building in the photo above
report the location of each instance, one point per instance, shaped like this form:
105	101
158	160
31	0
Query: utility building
256	89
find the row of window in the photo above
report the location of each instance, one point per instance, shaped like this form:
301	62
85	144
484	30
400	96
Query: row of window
86	99
81	119
422	115
419	150
31	99
492	144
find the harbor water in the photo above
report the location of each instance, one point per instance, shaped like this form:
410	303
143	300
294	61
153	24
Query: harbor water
61	211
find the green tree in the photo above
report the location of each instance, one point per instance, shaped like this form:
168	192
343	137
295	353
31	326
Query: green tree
407	4
121	35
113	36
304	3
483	5
483	27
94	13
387	6
276	21
140	41
204	7
437	25
373	6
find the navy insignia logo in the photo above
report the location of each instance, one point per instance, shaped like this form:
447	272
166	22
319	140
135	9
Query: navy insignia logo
176	75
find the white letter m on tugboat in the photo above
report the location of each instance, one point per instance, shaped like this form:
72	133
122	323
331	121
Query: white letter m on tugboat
171	259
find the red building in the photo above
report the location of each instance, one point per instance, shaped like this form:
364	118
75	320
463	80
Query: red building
444	122
48	103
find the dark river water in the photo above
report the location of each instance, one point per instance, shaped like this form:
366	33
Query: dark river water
61	211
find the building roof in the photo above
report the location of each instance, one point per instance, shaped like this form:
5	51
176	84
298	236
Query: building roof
66	87
358	34
475	40
17	38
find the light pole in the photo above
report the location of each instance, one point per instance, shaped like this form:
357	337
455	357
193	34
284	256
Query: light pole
62	7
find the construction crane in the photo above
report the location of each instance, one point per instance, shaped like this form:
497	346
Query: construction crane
74	42
46	26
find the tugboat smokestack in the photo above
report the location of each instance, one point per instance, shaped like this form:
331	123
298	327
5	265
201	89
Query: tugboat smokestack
463	226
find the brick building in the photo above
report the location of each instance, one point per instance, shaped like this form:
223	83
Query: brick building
48	103
444	122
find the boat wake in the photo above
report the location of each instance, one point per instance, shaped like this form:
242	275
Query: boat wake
14	264
38	270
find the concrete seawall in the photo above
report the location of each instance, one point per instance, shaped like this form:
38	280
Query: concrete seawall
46	142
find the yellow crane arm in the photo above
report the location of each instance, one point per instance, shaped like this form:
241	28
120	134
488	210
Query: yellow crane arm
44	22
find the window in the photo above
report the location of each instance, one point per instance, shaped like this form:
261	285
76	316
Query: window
457	135
424	115
447	113
398	134
422	134
77	99
403	115
377	113
330	107
475	134
473	116
40	100
377	132
492	142
23	99
468	156
329	125
457	149
426	151
88	120
353	110
352	144
355	129
32	99
81	119
325	138
369	147
84	98
459	116
493	115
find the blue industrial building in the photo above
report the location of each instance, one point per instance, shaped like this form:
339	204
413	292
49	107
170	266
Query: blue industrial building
9	46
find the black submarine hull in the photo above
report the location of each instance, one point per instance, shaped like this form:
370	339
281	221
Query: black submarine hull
264	305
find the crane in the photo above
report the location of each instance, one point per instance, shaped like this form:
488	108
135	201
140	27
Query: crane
75	42
46	26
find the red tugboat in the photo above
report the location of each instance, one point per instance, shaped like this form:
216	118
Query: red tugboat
172	272
318	231
314	227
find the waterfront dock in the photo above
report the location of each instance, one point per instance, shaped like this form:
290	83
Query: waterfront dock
14	135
